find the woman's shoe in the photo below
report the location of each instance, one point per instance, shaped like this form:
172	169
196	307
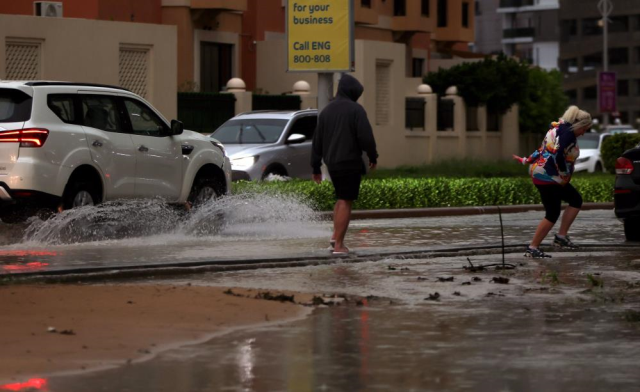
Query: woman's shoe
535	253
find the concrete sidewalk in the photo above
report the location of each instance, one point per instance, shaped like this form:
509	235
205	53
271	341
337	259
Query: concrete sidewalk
455	211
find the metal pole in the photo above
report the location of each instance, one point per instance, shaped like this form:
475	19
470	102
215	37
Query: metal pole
325	89
605	8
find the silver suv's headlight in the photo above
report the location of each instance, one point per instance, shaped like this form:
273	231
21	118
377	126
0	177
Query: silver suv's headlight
243	163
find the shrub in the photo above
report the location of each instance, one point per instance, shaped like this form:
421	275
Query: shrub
613	147
430	192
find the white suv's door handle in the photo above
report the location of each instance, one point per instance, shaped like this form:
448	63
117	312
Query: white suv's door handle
97	143
143	148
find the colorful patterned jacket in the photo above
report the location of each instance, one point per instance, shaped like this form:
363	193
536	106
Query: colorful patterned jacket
553	162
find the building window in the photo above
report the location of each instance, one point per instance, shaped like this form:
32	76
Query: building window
569	65
590	92
425	7
623	88
637	53
590	26
383	92
23	60
636	19
442	13
417	69
619	24
365	3
592	61
134	69
399	7
573	96
638	87
465	15
624	117
569	28
618	56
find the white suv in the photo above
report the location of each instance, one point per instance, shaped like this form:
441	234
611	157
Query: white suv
69	144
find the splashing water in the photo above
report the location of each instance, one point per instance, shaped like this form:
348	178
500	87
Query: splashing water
244	215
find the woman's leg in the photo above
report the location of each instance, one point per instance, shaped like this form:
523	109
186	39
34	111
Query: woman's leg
544	227
571	196
551	199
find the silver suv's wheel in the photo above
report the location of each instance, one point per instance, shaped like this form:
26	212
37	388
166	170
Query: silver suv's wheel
205	194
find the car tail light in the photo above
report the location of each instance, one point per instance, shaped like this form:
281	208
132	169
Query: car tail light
32	137
624	166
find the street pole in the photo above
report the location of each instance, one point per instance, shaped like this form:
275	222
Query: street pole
325	89
605	7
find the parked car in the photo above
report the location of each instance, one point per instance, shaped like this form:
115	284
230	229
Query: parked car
590	159
68	145
263	143
620	128
627	192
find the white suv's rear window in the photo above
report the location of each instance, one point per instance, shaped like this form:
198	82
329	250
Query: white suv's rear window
15	106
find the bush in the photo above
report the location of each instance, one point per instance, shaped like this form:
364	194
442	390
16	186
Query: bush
454	168
430	192
613	147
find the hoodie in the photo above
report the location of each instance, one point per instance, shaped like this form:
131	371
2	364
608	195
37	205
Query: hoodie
343	131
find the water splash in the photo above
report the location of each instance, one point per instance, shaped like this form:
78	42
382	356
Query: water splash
244	215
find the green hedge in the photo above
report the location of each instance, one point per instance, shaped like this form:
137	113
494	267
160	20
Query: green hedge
613	147
429	192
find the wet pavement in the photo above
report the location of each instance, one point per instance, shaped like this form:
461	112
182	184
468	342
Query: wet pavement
144	233
571	323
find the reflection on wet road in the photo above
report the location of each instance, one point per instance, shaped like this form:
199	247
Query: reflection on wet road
549	329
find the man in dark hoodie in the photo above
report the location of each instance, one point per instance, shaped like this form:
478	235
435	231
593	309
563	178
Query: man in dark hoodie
343	133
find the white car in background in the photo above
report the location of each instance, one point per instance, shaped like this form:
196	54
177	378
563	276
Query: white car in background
72	144
590	159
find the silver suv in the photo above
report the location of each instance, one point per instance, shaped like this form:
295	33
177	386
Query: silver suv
263	143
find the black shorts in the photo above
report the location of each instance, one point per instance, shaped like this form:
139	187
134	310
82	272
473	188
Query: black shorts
346	184
552	196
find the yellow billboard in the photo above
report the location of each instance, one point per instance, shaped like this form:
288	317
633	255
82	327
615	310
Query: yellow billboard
319	35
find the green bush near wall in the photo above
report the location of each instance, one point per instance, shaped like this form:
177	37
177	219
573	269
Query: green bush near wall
429	192
613	147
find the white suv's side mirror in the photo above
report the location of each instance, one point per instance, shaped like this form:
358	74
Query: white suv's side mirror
296	138
176	127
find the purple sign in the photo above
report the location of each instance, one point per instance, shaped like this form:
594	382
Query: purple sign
607	92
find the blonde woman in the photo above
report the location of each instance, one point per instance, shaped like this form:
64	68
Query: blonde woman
551	167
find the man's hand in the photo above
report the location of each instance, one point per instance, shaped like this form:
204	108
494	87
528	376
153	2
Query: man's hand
317	178
372	166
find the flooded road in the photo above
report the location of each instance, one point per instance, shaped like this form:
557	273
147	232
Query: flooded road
550	328
146	232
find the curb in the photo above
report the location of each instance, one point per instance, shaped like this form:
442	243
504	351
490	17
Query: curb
454	211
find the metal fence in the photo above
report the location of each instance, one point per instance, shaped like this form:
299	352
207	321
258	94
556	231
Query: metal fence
205	112
276	102
414	113
445	114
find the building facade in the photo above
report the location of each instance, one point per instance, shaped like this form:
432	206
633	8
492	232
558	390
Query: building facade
582	48
530	31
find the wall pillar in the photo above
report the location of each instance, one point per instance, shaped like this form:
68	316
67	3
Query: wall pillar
244	98
510	132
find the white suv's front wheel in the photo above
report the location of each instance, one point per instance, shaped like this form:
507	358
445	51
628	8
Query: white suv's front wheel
202	191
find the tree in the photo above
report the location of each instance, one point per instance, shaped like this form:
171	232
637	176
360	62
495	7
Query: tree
501	82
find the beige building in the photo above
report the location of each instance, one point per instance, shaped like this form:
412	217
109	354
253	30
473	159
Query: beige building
140	57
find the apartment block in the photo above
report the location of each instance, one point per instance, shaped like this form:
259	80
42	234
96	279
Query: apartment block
582	48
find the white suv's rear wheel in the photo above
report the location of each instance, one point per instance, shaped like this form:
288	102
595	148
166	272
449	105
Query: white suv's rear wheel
80	194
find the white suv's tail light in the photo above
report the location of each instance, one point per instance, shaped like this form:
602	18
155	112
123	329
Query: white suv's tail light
624	166
32	137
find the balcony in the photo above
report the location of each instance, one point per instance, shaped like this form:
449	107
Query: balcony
408	16
512	6
518	35
230	5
